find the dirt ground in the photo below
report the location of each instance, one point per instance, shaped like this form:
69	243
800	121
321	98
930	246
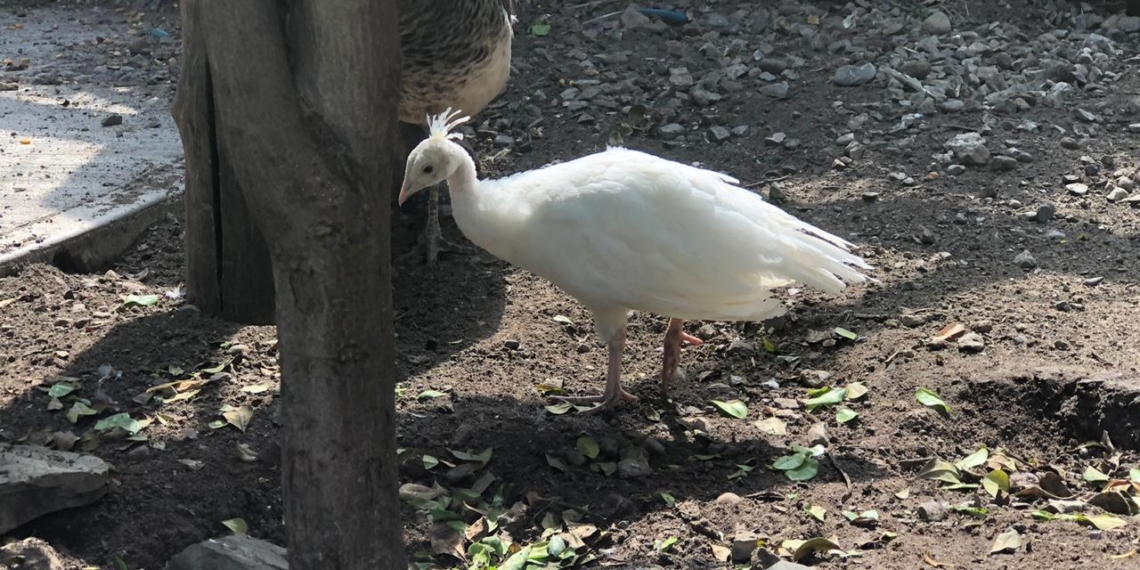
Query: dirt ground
1044	363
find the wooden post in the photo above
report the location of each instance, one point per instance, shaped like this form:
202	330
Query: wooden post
290	107
228	270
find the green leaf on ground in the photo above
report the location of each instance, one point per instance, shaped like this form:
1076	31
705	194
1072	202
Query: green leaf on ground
928	398
734	408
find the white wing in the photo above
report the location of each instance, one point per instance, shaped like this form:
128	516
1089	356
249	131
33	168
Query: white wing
626	229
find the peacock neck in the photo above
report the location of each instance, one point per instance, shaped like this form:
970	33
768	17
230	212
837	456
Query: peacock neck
465	179
483	212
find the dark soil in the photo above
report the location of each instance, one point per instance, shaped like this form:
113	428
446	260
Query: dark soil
1058	368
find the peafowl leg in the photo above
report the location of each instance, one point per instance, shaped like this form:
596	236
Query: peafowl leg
614	392
674	336
431	242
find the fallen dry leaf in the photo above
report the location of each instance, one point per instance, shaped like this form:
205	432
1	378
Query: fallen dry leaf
950	332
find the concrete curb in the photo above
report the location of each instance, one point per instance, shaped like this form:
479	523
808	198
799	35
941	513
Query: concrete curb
93	248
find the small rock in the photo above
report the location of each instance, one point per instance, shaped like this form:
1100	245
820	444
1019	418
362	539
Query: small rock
139	46
1004	163
743	545
112	120
719	134
1025	260
634	466
671	130
504	140
511	344
1116	194
1077	189
633	18
29	554
785	565
36	481
1093	281
971	342
955	169
845	139
775	90
952	105
912	320
932	511
937	23
817	434
1070	143
970	148
916	68
729	499
851	75
741	347
1044	213
1128	24
776	139
234	552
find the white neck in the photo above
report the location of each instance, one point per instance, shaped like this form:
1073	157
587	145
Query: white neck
465	179
483	212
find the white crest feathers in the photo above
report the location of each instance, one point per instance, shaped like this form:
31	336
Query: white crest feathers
440	126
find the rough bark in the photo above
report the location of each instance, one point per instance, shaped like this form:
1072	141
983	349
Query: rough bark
304	96
228	270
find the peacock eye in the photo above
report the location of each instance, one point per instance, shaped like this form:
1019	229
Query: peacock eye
428	169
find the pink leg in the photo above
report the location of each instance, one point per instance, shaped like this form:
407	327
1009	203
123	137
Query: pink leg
614	392
672	352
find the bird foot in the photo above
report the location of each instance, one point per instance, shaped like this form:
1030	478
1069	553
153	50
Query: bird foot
604	401
672	353
432	243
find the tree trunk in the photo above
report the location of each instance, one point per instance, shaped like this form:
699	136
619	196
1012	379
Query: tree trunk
294	114
228	271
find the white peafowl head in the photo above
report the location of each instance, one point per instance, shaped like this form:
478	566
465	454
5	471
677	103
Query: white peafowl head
436	158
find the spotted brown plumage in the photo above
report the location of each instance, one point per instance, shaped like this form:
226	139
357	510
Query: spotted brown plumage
456	54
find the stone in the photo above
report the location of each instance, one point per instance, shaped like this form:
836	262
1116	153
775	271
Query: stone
932	511
230	553
937	23
775	90
29	554
1077	189
719	134
671	130
955	169
729	499
776	139
1004	163
851	75
633	18
969	148
1044	213
1128	24
817	434
634	466
785	565
1117	194
971	342
916	68
112	120
1025	260
36	481
743	545
952	105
